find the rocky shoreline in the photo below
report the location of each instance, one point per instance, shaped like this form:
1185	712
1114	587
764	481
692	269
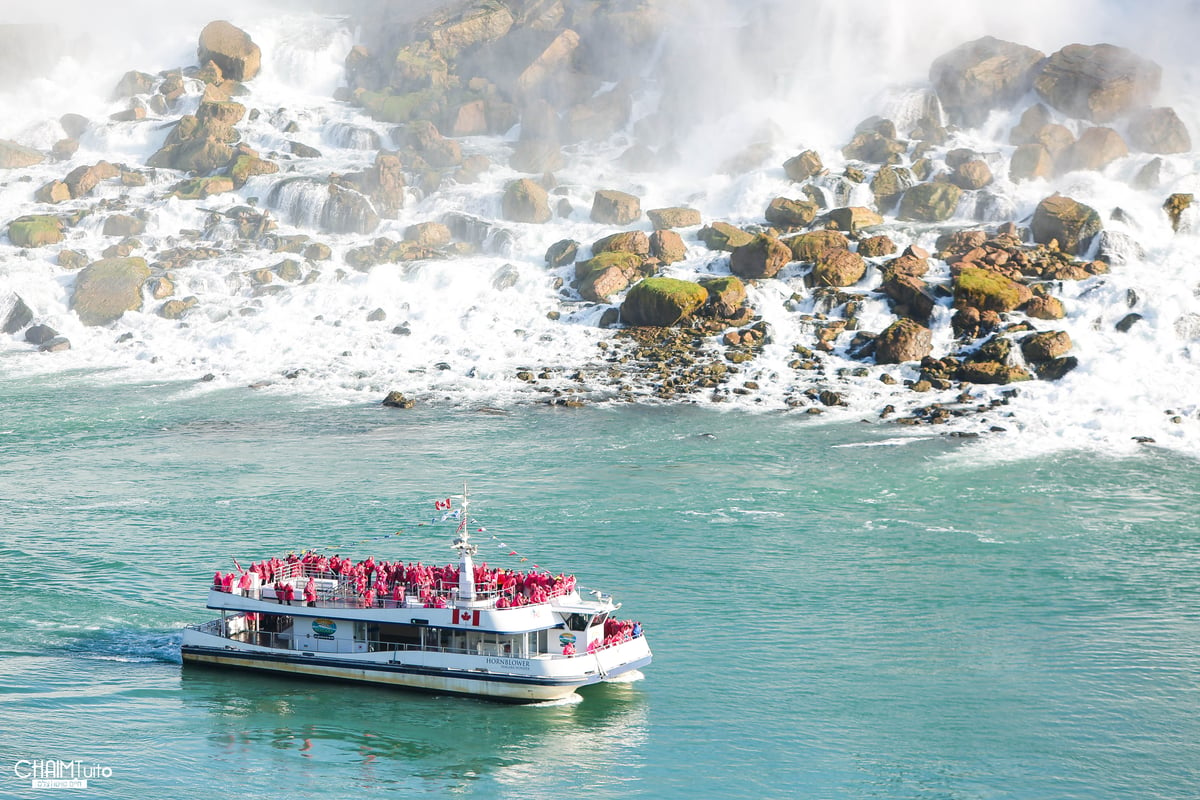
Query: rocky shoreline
479	68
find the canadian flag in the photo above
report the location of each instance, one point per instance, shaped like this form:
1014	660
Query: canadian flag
442	505
466	617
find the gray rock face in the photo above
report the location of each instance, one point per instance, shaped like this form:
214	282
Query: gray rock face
978	76
1097	82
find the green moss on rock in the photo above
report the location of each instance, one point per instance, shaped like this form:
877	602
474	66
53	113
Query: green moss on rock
35	231
661	302
985	290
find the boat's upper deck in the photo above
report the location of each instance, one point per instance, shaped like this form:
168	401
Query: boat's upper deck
315	580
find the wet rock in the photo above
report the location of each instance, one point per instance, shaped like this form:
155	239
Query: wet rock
231	49
986	290
176	309
971	175
601	279
82	180
675	217
1055	368
872	147
991	372
723	236
106	289
838	268
428	234
36	230
194	146
396	399
1036	117
804	166
910	296
1045	346
930	202
762	257
525	201
661	302
301	150
980	75
852	219
18	316
1069	222
889	184
53	193
788	213
1097	82
876	247
1175	205
667	247
1030	161
904	340
626	242
1044	307
615	208
58	344
1159	130
201	188
561	253
246	165
347	211
811	246
726	296
124	225
1127	322
16	156
1095	149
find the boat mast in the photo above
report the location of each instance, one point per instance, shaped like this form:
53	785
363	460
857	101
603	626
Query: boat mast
466	565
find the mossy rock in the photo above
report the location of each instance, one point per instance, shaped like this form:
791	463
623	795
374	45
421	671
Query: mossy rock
723	236
37	230
661	302
789	213
1069	222
725	295
525	201
985	290
930	202
106	289
398	108
991	372
809	247
628	262
200	188
838	268
246	166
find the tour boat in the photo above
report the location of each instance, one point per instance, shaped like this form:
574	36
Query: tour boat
460	628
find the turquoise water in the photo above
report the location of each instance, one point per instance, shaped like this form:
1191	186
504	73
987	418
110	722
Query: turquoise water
836	610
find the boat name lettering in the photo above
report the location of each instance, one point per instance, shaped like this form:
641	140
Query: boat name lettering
518	663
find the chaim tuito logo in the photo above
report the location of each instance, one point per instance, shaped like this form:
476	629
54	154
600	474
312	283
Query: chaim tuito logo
54	773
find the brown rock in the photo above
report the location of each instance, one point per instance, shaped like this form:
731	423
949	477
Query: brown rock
973	174
1159	130
791	213
428	234
1030	161
231	49
1036	117
910	296
980	75
811	246
1067	221
804	166
667	247
1046	346
1096	148
838	268
525	201
762	257
904	340
615	208
852	219
876	247
1044	307
677	217
81	180
1097	82
635	242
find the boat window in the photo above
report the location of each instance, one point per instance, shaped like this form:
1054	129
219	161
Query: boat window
599	618
577	622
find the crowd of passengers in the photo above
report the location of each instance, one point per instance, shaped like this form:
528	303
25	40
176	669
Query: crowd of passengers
388	583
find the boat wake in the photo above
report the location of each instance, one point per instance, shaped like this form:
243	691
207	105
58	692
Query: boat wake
130	646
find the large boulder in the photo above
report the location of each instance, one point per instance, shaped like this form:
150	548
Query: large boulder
625	242
1097	82
1095	149
83	179
1068	221
106	289
1029	161
910	296
661	302
1159	130
971	175
804	166
615	208
667	247
525	201
16	315
930	202
14	156
674	217
811	246
455	28
723	236
838	268
347	211
1045	346
35	230
231	49
903	340
852	219
975	287
978	76
788	213
762	257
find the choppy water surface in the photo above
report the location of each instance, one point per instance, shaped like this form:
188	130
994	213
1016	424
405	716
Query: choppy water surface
836	610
